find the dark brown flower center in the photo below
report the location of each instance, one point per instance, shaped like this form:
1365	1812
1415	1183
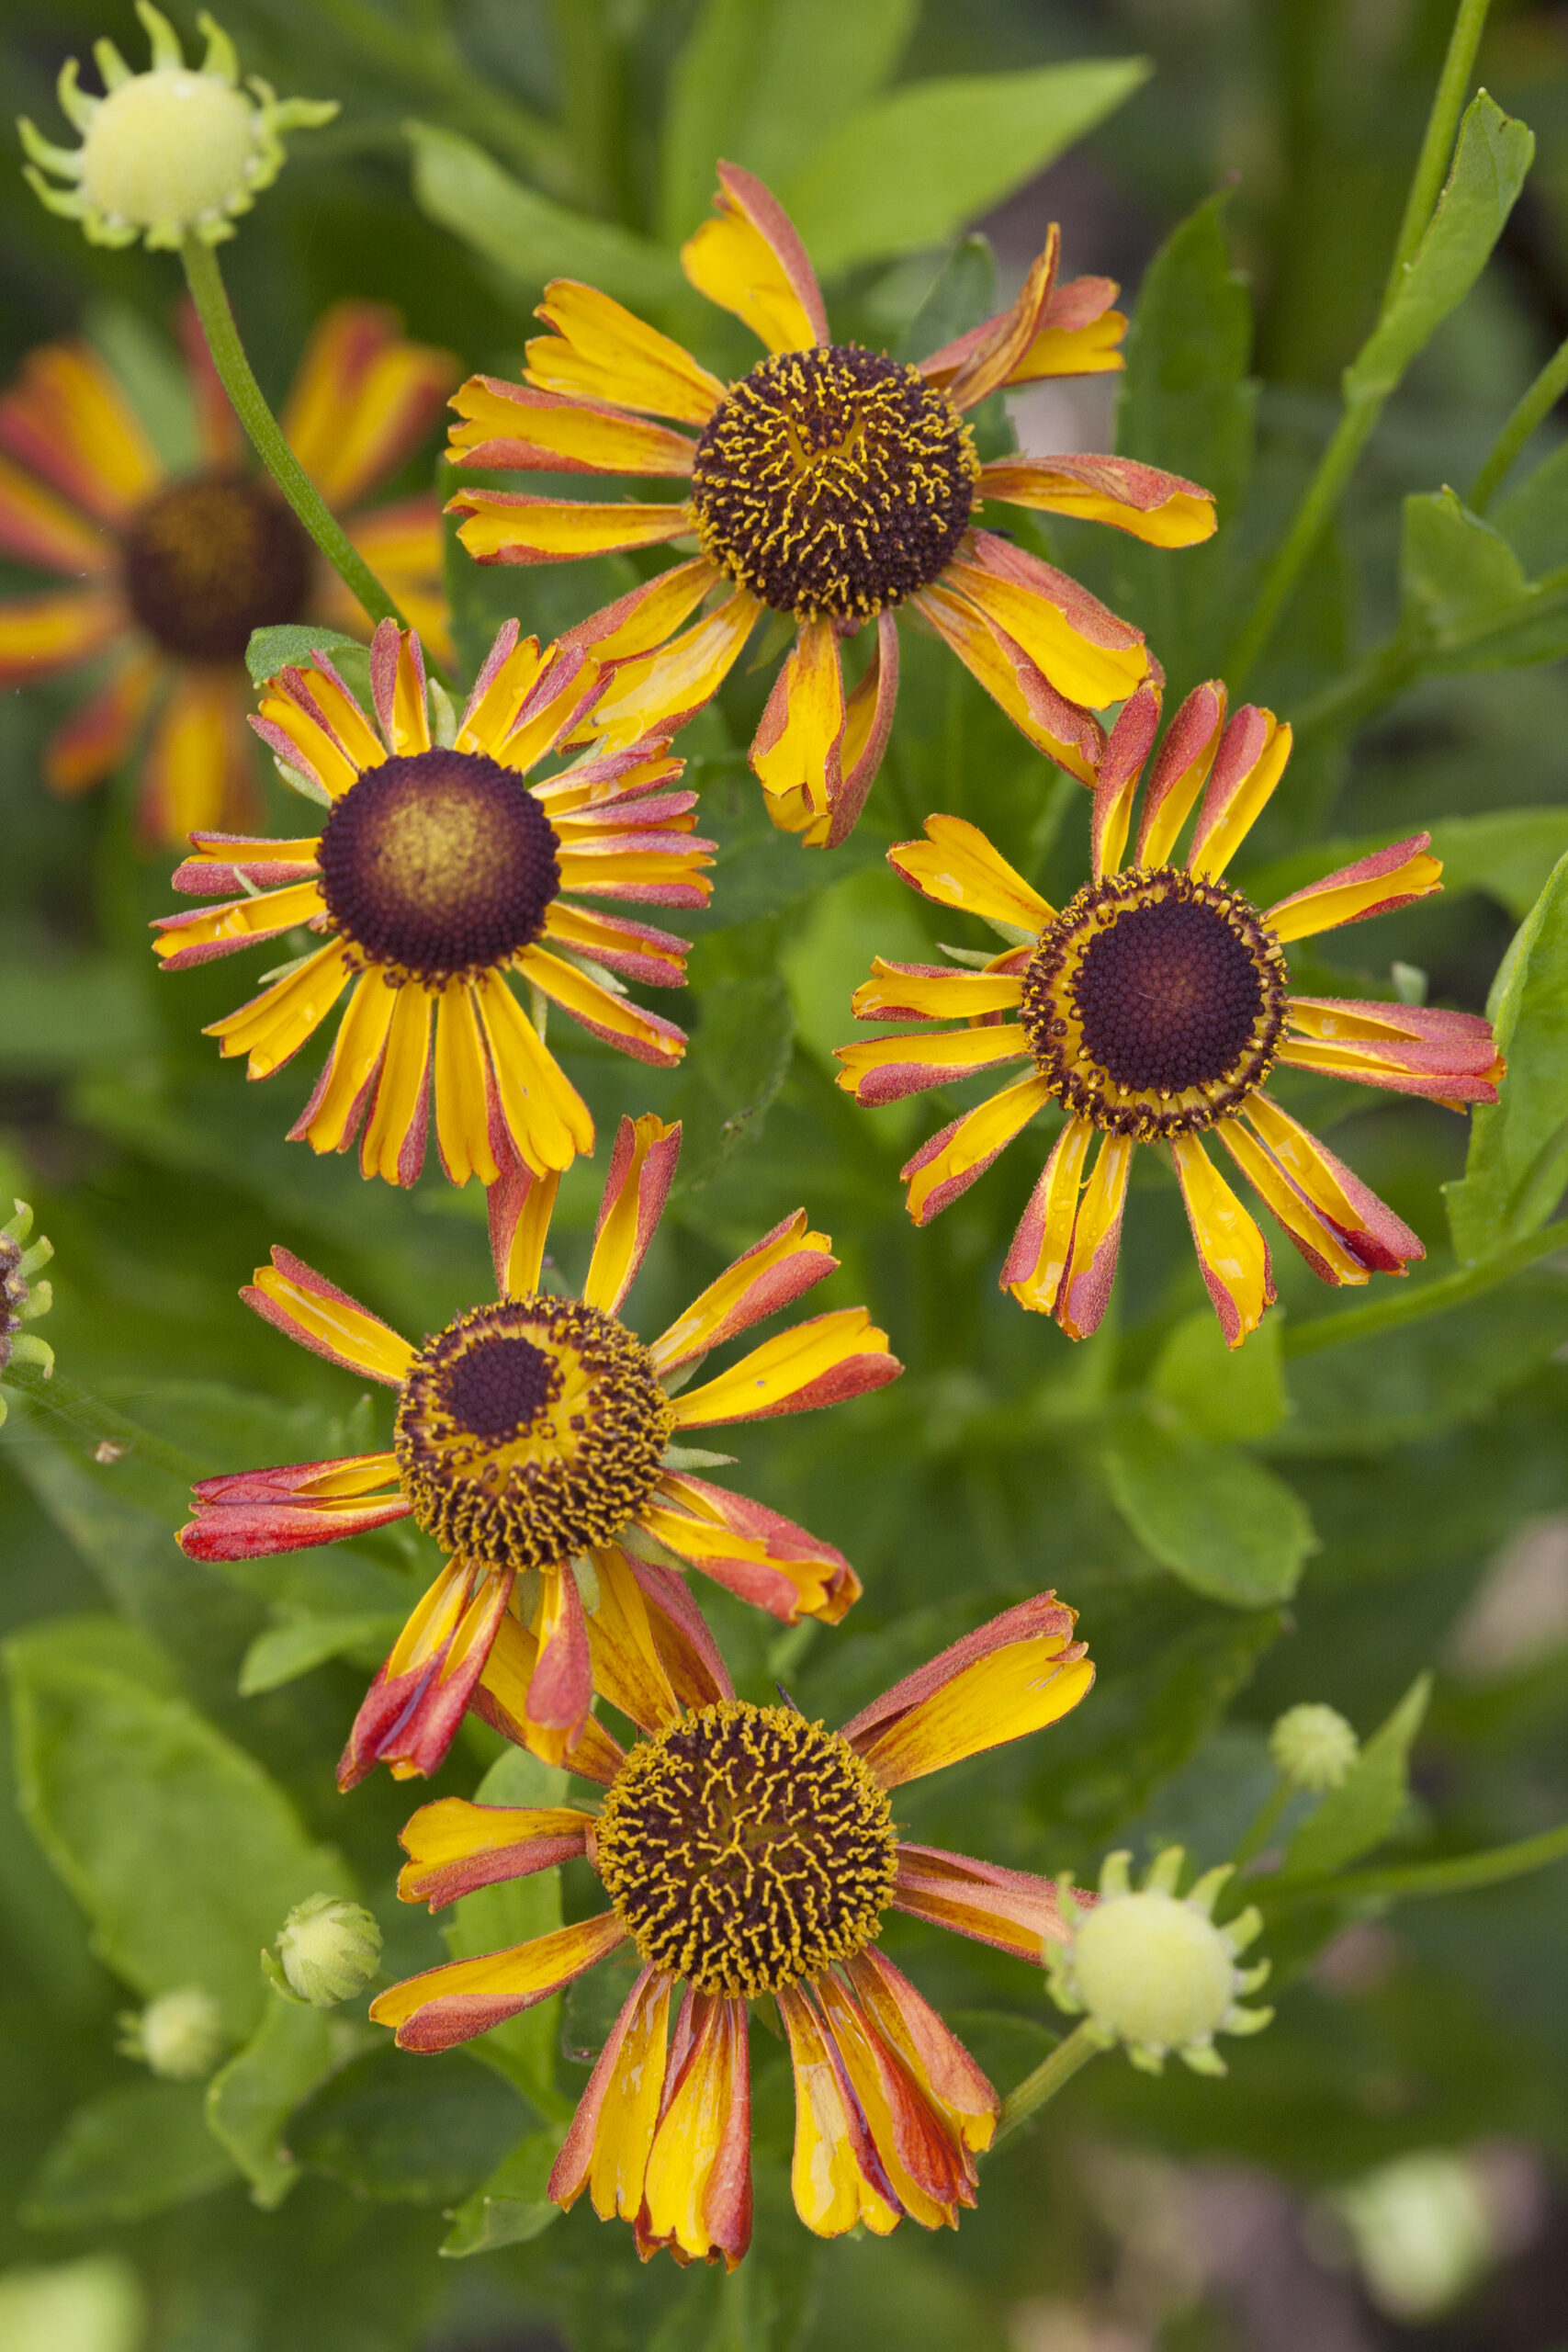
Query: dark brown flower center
530	1431
833	482
747	1848
1154	1001
208	559
440	864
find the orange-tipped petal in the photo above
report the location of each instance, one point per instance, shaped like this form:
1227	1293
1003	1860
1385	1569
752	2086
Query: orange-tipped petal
1062	728
500	1696
410	1713
951	1161
838	2178
1086	653
752	1551
518	427
887	1068
1132	738
642	1166
796	750
750	260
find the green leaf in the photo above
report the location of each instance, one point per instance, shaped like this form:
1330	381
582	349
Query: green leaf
67	1016
1517	1161
524	2048
407	2130
513	2205
911	169
738	1060
1358	1815
297	1645
250	2100
1185	401
964	295
92	2305
132	2151
272	650
1490	162
1534	518
1221	1521
1463	591
184	1854
759	83
527	237
1219	1392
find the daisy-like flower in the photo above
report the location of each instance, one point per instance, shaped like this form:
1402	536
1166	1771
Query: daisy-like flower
437	874
175	571
179	150
833	485
750	1852
1153	1008
537	1434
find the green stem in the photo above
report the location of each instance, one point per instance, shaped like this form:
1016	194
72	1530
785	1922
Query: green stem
204	278
1426	1298
584	54
1362	410
1458	1876
99	1421
1532	410
1082	2045
1264	1823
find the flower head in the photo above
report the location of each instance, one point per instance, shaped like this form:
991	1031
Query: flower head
1153	1008
22	1298
173	572
750	1852
533	1441
436	874
833	485
1151	1970
177	151
1313	1748
328	1949
179	2035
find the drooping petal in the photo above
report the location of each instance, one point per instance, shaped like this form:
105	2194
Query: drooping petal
273	1026
752	1551
254	1514
396	1128
1085	1292
884	1069
953	1159
562	1684
837	2176
1374	886
1130	741
462	1089
513	527
934	2057
607	2149
646	616
324	1318
652	1654
750	260
698	2188
1181	772
1062	728
957	867
769	1276
824	1361
1233	1256
642	1166
516	427
363	399
658	692
454	1846
1011	1676
547	1120
1163	509
1088	654
604	1014
410	1713
452	2004
1343	1231
331	1117
868	723
927	2166
500	1696
1011	1909
635	951
600	351
66	418
1043	1245
796	753
1248	766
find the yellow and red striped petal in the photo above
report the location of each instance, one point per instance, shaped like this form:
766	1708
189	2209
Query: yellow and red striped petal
454	1846
399	1124
1011	1677
1089	656
561	1689
516	426
929	2172
38	527
254	1514
203	933
1233	1256
935	2058
600	351
319	1317
1163	509
1011	1909
1043	1246
652	1654
1130	744
607	2149
1411	1049
331	1119
92	742
547	1120
513	527
1248	764
957	867
397	689
698	2188
1076	333
462	1089
753	1552
445	2006
198	768
273	1026
868	722
362	400
1019	688
823	1362
604	1014
1181	772
39	635
952	1160
765	1278
1374	886
1345	1233
520	1205
642	1166
934	992
293	723
990	357
750	260
795	752
1085	1290
657	692
500	1696
411	1713
635	951
838	2179
884	1069
646	616
221	858
66	418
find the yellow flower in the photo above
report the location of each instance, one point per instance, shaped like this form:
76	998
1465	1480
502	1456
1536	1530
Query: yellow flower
177	151
534	1435
831	485
177	572
437	873
1153	1008
753	1853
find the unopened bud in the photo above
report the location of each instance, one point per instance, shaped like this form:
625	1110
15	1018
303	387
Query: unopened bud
1313	1748
22	1296
179	2035
328	1950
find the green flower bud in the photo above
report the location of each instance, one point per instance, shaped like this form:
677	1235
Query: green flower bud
1313	1748
175	152
1151	1970
22	1298
179	2035
328	1950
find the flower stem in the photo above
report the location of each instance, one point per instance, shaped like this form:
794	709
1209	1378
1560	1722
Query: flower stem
1425	1298
99	1421
1264	1821
1442	126
1460	1874
204	278
1537	403
1083	2043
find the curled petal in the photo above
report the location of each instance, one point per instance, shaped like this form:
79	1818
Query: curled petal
935	2058
252	1514
838	2178
1088	654
698	2188
500	1696
607	2149
1085	1292
750	260
1016	681
1343	1231
410	1715
753	1551
1043	1246
796	749
652	1654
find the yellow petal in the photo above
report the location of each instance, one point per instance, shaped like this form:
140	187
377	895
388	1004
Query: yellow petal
275	1025
462	1091
606	353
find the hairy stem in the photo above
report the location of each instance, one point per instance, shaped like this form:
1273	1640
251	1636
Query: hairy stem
1080	2046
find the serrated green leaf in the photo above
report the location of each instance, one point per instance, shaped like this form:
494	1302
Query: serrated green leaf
1358	1815
1491	159
513	2205
293	642
1517	1161
524	2048
1219	1521
1219	1392
527	237
135	2149
910	169
249	2101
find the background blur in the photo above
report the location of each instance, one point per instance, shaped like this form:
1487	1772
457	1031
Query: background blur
1388	2166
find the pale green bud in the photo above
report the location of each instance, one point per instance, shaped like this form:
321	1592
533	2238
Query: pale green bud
328	1951
179	2035
1313	1748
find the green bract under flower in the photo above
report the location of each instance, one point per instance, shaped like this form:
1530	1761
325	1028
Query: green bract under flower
176	151
22	1298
